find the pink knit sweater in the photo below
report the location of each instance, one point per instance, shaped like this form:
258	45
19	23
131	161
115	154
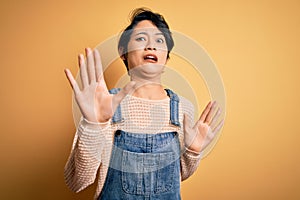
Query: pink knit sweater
92	143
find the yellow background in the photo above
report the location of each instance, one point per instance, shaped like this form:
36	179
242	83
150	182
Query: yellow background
255	45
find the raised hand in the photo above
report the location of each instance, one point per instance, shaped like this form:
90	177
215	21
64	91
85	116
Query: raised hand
197	137
93	99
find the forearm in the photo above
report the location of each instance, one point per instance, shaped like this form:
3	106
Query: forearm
189	163
85	157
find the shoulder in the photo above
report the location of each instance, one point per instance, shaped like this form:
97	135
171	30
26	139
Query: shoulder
185	103
187	107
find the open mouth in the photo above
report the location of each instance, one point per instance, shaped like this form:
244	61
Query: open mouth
150	58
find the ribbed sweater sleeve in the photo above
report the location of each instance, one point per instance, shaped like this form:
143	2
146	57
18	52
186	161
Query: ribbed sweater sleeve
85	157
189	160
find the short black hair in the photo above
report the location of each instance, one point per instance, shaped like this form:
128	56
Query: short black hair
140	14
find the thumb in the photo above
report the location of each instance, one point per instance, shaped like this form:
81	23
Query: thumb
186	123
128	89
189	134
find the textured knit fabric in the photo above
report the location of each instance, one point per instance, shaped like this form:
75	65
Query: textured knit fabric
92	144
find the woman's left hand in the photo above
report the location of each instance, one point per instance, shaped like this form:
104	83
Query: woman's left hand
202	133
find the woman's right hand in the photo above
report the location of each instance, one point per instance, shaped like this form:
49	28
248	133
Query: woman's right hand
94	100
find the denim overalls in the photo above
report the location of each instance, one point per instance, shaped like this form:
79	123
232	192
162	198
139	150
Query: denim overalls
144	166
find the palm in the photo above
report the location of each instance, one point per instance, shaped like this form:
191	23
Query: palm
94	100
204	130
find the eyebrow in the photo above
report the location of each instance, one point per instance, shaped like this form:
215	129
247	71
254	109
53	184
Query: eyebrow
145	33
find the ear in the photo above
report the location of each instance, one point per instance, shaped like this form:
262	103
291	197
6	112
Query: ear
121	53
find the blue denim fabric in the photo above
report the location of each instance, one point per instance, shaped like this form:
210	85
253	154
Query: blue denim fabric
174	107
144	166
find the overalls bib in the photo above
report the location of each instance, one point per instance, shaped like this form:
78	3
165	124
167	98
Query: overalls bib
144	166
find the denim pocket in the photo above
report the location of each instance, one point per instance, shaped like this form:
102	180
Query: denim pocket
148	173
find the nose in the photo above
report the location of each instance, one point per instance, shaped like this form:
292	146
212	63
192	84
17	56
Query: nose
150	45
150	49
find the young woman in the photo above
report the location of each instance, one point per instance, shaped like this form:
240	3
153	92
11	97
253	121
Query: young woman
141	139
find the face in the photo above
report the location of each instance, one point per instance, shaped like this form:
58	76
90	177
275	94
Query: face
147	49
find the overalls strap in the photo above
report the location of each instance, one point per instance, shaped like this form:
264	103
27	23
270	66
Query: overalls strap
174	107
117	117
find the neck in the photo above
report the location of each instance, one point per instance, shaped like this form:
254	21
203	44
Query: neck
148	82
150	90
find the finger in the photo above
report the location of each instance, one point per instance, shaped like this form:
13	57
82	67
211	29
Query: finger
128	89
98	65
72	81
218	127
210	112
205	112
186	123
83	73
99	72
90	65
215	117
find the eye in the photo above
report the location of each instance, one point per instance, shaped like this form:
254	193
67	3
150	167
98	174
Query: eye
160	40
140	39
